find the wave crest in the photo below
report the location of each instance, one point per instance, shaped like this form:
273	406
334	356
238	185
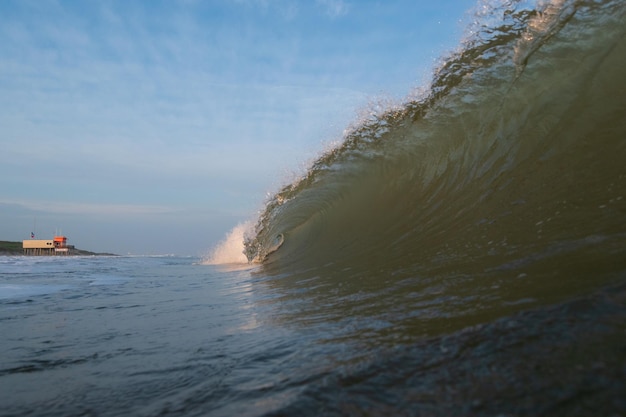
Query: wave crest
489	144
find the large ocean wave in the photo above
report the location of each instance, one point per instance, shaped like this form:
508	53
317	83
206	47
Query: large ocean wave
517	153
505	181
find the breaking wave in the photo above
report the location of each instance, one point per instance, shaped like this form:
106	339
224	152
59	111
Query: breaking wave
514	156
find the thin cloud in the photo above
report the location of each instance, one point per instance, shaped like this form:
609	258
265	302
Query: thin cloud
57	207
334	8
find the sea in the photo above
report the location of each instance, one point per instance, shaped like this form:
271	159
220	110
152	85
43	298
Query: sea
461	252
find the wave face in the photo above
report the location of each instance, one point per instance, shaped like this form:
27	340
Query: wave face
512	166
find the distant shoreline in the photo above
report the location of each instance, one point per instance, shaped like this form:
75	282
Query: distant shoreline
8	248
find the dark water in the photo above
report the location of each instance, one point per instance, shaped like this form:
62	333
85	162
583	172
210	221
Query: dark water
167	336
463	253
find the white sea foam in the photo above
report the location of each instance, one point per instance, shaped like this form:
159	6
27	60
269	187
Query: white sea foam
230	250
8	291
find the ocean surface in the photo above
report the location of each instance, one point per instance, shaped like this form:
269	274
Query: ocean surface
459	253
168	336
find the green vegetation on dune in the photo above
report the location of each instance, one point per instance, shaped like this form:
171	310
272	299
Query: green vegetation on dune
7	247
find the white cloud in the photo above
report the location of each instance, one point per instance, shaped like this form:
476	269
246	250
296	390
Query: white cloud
334	8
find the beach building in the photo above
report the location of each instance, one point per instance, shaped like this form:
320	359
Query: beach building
56	246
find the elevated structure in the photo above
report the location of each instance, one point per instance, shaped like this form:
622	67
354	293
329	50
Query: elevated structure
38	247
56	246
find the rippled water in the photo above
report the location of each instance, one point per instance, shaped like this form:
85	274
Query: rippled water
168	336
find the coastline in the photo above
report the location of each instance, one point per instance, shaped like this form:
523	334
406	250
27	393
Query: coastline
9	248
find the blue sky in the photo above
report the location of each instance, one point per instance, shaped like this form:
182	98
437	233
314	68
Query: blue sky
152	127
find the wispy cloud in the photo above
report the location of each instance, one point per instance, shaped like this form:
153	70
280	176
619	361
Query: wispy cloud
71	208
334	8
286	9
